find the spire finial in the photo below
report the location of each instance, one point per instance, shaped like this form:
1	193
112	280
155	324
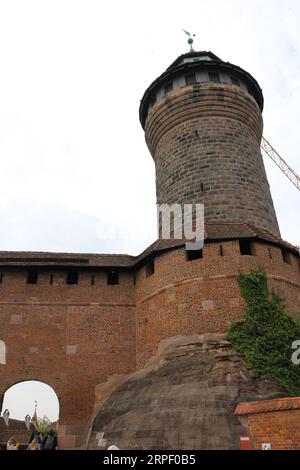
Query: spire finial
190	39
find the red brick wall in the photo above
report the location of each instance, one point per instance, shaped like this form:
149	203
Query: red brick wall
280	428
74	337
70	337
185	297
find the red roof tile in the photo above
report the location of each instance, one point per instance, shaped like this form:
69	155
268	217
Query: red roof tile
277	404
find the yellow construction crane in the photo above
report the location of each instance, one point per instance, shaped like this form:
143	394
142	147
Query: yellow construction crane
280	162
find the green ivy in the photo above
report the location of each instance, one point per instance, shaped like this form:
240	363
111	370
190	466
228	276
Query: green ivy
265	337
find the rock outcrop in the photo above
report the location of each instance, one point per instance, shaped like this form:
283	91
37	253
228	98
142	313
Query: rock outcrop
183	399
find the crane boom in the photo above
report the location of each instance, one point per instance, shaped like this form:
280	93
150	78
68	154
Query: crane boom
280	162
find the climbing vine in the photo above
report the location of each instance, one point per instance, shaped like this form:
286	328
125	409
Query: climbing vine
266	336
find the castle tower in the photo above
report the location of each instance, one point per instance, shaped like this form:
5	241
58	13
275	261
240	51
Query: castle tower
203	126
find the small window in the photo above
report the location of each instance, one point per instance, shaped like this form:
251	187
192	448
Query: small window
194	254
92	280
1	278
51	279
150	267
190	78
112	278
270	253
235	81
153	100
202	187
214	77
221	250
32	276
246	247
286	256
72	277
168	87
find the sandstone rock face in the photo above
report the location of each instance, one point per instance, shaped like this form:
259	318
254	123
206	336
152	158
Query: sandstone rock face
183	399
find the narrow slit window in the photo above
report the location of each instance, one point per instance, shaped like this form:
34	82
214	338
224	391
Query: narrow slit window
214	77
286	256
72	278
112	278
221	250
32	276
270	253
190	78
246	247
93	280
1	277
168	87
235	81
192	255
51	279
150	267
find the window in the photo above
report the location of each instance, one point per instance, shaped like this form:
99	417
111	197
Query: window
150	267
168	87
92	280
221	250
153	100
194	254
235	81
1	277
72	277
214	77
112	278
51	279
32	276
270	253
246	247
286	256
190	78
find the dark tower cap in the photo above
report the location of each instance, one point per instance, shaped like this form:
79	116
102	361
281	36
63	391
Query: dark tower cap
202	61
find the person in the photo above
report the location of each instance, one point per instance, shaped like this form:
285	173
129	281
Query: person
12	444
50	441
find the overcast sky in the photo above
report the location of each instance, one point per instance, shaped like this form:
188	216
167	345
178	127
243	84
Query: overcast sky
76	174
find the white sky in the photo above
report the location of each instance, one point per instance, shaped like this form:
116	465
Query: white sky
20	400
76	174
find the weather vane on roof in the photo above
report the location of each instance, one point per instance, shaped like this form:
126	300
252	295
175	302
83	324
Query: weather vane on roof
190	39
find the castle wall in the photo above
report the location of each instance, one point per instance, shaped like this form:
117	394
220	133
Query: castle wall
200	296
71	337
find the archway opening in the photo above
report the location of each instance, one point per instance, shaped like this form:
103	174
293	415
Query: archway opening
29	398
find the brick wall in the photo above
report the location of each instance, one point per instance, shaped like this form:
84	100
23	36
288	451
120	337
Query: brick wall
200	296
281	429
276	422
71	337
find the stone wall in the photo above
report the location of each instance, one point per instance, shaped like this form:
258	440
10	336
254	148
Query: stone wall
184	398
205	141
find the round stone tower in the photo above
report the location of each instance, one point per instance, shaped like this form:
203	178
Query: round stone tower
203	126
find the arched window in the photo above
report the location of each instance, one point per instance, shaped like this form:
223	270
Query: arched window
2	352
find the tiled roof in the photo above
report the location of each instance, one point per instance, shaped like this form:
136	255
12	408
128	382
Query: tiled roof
213	231
277	404
16	429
